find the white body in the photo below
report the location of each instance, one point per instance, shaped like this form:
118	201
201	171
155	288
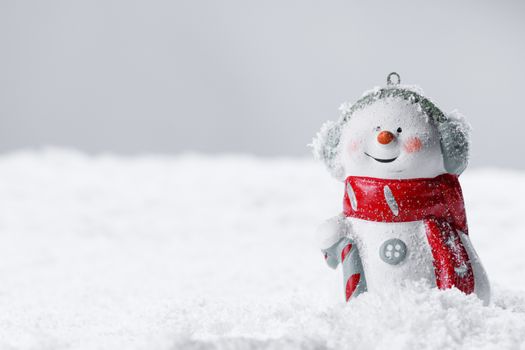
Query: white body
413	150
417	265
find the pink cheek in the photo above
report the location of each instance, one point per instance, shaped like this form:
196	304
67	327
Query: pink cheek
413	145
353	147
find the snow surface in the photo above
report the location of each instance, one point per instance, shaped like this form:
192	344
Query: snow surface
206	252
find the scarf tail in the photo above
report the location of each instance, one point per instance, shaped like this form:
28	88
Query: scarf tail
451	262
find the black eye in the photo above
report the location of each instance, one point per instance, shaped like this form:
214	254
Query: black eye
399	129
378	128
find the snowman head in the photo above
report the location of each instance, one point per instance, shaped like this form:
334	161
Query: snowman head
393	133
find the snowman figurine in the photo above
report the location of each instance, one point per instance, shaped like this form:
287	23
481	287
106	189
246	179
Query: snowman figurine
403	217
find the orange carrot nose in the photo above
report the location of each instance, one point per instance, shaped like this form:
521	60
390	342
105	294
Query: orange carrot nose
385	137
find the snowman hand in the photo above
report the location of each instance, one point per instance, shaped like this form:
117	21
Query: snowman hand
331	231
328	235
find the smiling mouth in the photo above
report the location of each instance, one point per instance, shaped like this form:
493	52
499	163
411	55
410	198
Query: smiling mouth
381	160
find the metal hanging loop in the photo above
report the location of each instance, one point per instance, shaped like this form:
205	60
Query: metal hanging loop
397	79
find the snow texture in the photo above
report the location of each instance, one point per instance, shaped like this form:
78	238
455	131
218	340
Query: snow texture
196	252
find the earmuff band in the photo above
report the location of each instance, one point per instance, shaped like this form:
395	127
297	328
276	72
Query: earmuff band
428	107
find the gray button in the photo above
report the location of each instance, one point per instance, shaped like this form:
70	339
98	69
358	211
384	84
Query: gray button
393	251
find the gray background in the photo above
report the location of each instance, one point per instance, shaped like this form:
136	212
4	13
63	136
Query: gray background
249	77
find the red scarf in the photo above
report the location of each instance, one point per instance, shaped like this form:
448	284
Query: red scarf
437	201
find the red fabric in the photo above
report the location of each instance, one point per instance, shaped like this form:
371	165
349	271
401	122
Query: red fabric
438	202
451	263
417	199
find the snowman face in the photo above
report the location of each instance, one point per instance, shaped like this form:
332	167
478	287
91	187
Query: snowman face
391	139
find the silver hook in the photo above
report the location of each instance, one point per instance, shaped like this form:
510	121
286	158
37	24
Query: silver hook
389	79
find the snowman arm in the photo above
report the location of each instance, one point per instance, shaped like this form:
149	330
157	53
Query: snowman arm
328	234
481	281
331	231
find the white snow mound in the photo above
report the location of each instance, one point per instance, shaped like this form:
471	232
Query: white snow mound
198	252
